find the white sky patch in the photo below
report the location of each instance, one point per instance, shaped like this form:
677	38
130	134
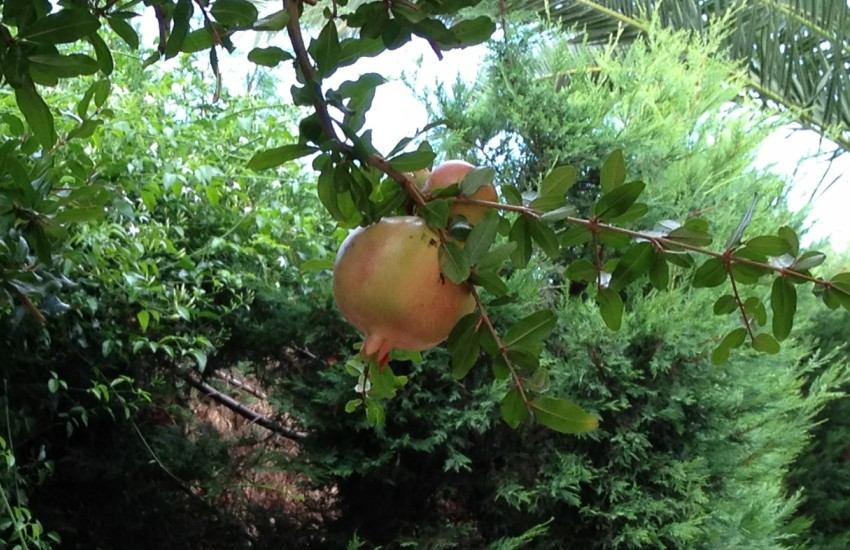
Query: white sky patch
397	113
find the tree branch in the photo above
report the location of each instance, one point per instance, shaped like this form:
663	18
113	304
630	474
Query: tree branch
302	57
663	243
503	350
242	410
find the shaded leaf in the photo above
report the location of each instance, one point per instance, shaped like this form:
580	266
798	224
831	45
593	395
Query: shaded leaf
279	155
513	409
613	172
783	302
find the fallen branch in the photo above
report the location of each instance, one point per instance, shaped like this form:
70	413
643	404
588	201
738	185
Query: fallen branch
244	411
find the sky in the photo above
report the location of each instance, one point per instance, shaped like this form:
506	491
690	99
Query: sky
790	152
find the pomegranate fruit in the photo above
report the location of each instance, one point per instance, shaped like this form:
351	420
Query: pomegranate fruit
387	283
453	171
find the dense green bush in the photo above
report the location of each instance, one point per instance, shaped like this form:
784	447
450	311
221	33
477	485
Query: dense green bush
179	277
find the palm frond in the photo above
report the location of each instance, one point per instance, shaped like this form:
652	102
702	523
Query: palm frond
796	52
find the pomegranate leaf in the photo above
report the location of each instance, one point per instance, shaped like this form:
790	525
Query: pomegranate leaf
453	262
563	416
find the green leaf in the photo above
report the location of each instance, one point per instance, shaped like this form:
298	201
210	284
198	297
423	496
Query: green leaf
376	416
476	178
124	30
101	51
619	200
144	318
268	57
315	265
197	40
755	309
182	14
325	49
482	236
68	25
436	213
769	245
414	160
383	382
725	305
469	32
453	262
513	409
465	352
545	238
279	155
64	66
274	22
491	281
37	114
735	238
635	262
496	257
690	236
581	270
563	416
710	274
783	302
790	237
613	172
610	307
766	343
659	272
575	235
352	405
521	235
234	13
531	331
554	187
732	340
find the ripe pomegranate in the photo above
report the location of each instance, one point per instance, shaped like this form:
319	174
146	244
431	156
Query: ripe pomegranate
453	171
388	284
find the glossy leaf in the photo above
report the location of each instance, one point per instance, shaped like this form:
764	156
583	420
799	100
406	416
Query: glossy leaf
414	160
563	416
710	274
783	302
610	307
476	178
482	236
513	409
635	262
766	343
554	187
268	57
531	331
279	155
234	13
68	25
613	172
618	200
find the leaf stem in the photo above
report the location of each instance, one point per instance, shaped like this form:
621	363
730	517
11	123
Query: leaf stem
503	350
743	310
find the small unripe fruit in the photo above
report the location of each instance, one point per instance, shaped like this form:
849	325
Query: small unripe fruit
453	171
388	284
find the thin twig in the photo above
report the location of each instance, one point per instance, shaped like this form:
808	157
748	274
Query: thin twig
326	122
741	307
243	411
503	350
